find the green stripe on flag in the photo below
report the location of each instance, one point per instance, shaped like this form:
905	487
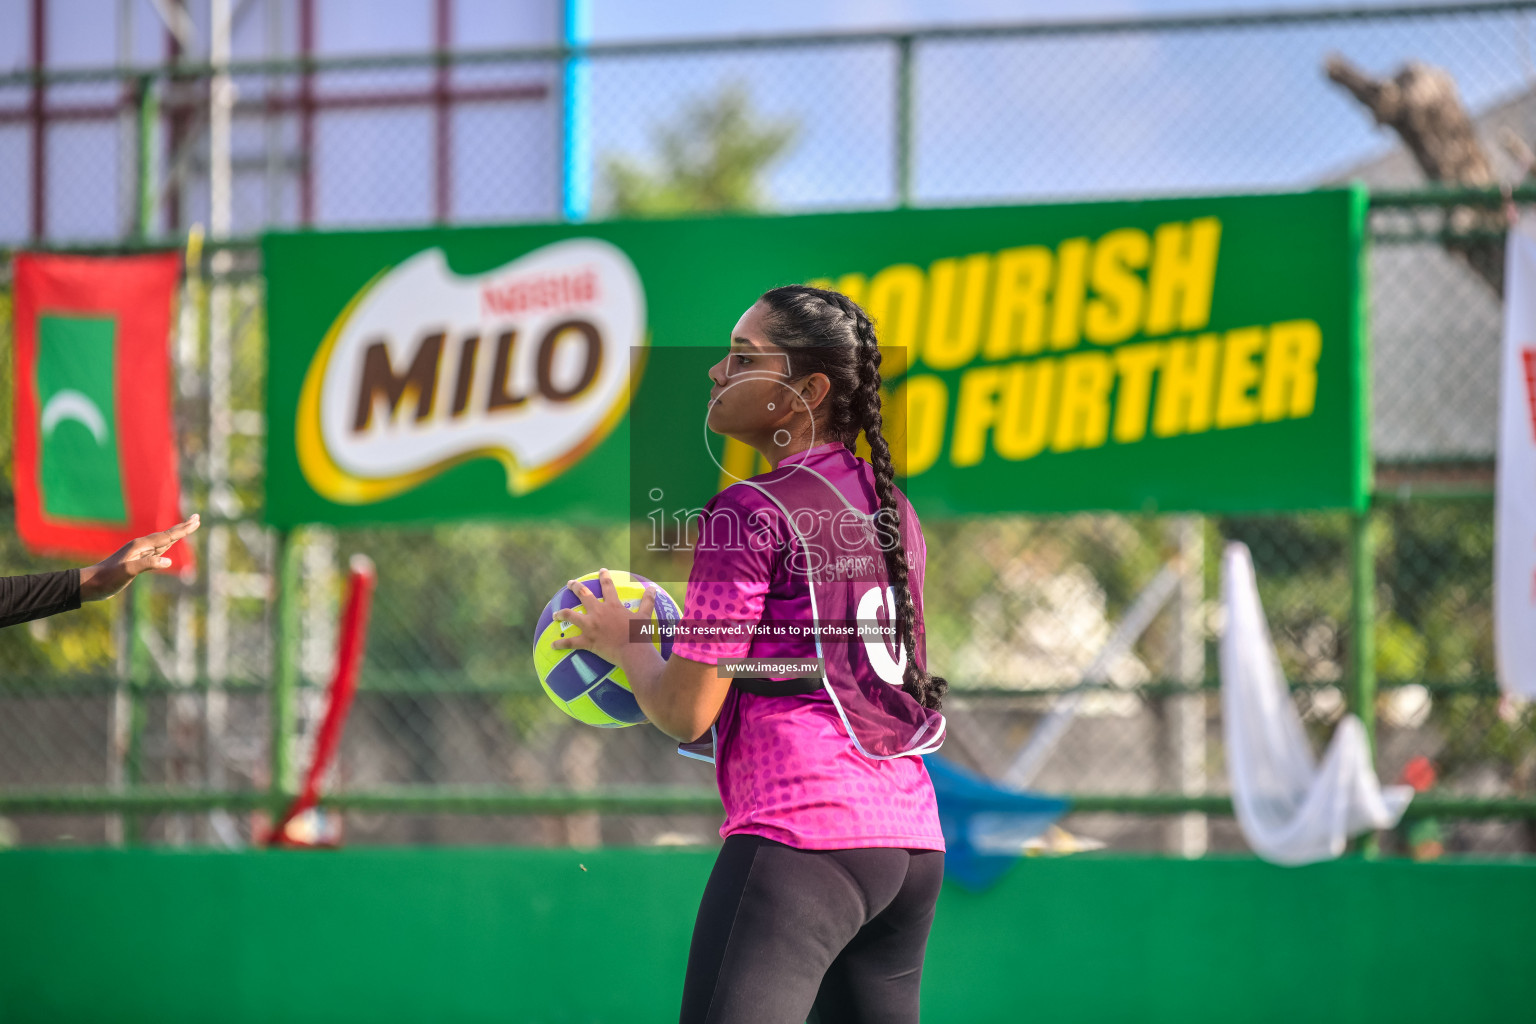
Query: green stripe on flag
80	475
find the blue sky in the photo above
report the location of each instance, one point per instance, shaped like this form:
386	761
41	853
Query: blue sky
1215	110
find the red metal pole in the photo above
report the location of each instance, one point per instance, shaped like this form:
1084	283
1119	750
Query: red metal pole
39	126
442	125
351	641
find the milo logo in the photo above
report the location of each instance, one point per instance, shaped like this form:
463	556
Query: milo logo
424	369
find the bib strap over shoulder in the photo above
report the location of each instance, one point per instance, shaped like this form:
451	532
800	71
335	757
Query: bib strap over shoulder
838	549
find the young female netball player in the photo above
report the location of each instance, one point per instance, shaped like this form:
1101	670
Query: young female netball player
822	896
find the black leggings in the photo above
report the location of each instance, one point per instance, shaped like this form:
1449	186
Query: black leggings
834	935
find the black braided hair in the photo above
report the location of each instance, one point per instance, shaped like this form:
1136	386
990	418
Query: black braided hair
827	332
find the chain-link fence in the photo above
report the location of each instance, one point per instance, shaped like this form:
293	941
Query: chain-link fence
1080	649
304	130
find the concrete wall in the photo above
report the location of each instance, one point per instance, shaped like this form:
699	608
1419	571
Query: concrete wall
451	935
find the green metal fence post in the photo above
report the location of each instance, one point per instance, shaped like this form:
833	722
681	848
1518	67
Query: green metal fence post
286	677
136	601
904	121
137	613
1362	697
149	113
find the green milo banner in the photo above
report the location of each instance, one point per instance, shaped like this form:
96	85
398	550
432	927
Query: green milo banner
1180	354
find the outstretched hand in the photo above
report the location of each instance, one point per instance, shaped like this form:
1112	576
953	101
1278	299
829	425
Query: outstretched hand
110	575
604	623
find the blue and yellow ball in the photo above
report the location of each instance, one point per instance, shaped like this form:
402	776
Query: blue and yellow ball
588	688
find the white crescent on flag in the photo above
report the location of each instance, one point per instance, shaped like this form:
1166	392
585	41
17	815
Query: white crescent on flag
69	404
1514	534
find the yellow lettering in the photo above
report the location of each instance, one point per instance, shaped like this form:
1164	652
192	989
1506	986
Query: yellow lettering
1018	305
1115	312
1183	275
853	286
975	413
1082	417
921	403
896	307
1235	404
1186	387
957	293
1289	390
1135	365
1025	424
1067	300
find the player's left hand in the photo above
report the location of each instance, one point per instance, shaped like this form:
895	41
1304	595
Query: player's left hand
604	623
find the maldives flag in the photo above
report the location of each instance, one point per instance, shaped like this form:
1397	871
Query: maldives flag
95	463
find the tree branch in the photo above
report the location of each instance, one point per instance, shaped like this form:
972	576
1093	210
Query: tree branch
1422	105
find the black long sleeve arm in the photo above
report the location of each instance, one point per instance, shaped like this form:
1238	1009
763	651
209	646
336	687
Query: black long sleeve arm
23	598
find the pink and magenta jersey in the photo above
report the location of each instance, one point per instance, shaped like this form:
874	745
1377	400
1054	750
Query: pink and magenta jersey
786	767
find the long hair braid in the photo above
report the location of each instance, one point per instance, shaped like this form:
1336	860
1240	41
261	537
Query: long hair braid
828	332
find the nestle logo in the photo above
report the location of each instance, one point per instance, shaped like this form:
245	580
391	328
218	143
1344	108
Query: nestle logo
545	291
